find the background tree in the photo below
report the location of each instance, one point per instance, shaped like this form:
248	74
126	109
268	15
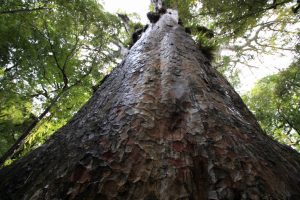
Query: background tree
275	103
52	54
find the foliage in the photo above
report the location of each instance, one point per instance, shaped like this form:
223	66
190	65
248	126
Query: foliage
206	43
51	54
133	27
275	101
244	30
14	115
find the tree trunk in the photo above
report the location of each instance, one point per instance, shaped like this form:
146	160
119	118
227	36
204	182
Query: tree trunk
164	125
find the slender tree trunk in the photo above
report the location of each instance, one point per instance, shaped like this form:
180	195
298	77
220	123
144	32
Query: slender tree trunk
164	125
28	130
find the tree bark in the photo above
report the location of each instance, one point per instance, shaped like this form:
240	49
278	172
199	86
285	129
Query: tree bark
164	125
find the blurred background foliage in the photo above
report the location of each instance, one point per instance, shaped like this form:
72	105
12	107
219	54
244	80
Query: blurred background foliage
275	101
54	54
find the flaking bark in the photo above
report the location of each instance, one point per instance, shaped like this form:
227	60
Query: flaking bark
164	125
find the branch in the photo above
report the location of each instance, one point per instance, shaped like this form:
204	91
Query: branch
257	11
287	121
276	47
62	70
23	10
75	47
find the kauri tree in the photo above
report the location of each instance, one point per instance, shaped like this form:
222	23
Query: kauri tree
163	125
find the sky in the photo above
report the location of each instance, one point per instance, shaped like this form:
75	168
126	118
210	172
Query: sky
141	7
266	65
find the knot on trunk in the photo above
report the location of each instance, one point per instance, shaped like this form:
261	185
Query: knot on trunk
153	16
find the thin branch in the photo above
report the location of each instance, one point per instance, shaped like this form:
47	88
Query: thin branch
285	118
65	78
75	47
255	12
25	10
276	47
